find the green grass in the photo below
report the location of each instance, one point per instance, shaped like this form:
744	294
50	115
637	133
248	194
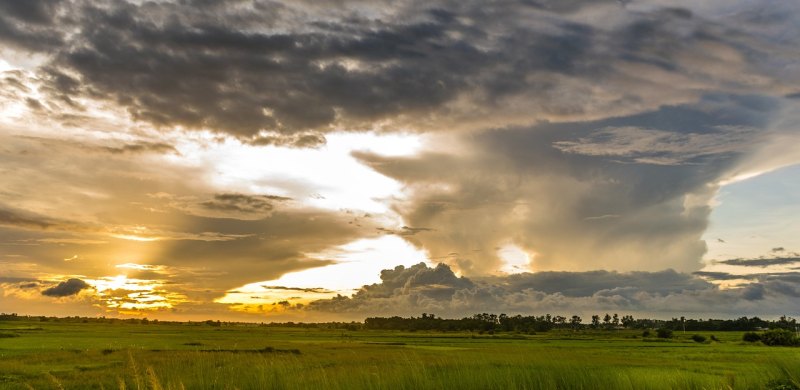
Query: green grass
172	356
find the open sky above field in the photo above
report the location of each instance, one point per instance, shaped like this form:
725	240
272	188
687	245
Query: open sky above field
264	160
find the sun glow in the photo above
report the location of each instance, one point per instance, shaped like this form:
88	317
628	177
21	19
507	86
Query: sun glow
357	263
329	177
130	296
516	260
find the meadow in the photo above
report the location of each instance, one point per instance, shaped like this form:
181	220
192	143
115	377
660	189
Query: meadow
61	355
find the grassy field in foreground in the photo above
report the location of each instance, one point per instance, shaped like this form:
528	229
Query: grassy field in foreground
52	355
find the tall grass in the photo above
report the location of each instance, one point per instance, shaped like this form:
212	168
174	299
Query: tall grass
171	358
415	370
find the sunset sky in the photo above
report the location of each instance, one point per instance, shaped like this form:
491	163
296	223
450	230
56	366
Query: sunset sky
314	161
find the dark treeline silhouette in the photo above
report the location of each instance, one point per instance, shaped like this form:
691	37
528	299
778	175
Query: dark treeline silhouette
213	323
483	322
492	322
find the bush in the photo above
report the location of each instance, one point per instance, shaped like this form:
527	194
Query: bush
779	337
698	338
714	338
751	337
646	333
664	333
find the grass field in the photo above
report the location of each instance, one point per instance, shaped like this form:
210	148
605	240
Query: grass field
51	355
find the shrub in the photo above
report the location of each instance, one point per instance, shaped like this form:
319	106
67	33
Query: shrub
646	333
751	337
714	338
664	333
779	337
698	338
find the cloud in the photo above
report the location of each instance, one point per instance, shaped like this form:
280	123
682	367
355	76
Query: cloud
761	262
16	218
611	208
659	294
405	230
284	73
67	288
116	147
303	140
30	24
240	203
589	134
27	220
319	290
224	205
58	201
650	146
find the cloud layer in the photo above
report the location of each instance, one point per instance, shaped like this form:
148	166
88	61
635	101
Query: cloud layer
292	67
586	134
418	289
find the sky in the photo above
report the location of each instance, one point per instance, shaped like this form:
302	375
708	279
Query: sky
306	161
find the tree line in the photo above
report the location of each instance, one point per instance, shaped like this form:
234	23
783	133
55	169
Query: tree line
485	322
492	322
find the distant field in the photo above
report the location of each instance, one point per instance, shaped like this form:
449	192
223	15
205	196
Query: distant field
49	355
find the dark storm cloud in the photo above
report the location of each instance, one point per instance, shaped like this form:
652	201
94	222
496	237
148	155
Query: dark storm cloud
402	292
584	284
32	11
242	203
66	288
224	205
141	147
761	262
405	230
299	289
30	24
302	140
288	68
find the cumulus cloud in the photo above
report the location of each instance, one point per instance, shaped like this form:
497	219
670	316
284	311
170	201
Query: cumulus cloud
417	289
67	288
601	208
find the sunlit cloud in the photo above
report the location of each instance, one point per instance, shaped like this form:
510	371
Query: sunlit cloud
354	264
130	295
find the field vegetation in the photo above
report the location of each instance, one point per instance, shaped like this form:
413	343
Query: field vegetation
114	354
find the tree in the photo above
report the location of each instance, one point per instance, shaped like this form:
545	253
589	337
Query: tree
607	320
575	322
615	320
627	321
595	321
